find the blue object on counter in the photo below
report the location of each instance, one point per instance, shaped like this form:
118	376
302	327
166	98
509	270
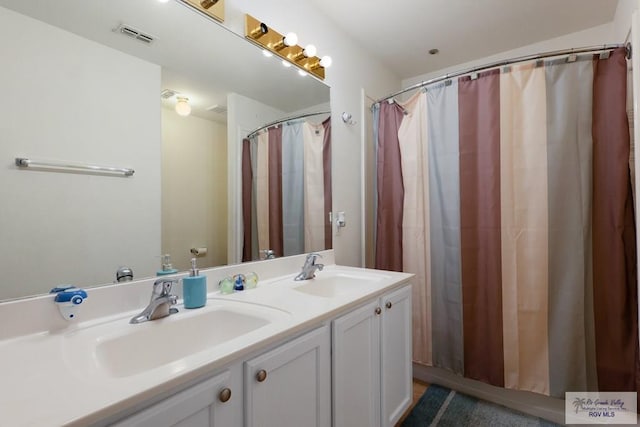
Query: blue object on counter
69	294
194	288
68	298
238	282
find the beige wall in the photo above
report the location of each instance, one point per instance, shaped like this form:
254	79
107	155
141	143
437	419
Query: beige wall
194	189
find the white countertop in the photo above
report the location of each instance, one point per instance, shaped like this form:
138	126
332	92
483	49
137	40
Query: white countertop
48	382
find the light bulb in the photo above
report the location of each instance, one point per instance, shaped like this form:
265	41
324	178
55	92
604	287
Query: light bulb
163	1
302	73
286	63
267	53
291	39
182	107
326	61
310	50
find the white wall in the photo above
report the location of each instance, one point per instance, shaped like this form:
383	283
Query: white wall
244	115
602	34
194	189
66	98
621	25
353	69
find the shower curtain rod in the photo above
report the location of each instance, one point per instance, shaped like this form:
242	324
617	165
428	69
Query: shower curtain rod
288	119
505	62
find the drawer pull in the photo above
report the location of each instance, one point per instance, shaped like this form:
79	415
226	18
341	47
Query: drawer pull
388	305
225	395
261	375
378	311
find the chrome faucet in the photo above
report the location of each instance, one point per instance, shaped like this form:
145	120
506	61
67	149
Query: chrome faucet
309	268
268	253
124	274
161	302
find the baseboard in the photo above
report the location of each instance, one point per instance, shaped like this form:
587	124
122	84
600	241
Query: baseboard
534	404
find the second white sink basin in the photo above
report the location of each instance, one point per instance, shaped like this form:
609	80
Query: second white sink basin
336	284
124	349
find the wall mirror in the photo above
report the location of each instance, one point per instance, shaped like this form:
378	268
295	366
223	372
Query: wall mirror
83	84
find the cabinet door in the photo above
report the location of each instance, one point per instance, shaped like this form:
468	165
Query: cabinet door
356	367
216	402
290	385
396	355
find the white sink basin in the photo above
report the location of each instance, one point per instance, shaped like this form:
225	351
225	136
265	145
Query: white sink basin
336	284
123	349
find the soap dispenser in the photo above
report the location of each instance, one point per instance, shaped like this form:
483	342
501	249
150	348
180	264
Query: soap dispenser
167	268
194	288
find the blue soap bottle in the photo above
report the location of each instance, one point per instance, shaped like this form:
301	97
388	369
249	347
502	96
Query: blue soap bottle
194	288
167	268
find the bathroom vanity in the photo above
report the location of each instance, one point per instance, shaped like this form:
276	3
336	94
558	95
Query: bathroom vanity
331	351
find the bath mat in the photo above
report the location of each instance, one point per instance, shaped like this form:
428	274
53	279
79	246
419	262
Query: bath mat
440	406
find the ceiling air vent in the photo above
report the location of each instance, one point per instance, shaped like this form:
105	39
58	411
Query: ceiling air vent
168	93
135	34
218	109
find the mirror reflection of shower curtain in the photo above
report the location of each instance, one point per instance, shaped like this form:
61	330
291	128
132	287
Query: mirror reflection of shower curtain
286	189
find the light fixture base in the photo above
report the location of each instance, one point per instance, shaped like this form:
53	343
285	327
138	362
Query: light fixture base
209	8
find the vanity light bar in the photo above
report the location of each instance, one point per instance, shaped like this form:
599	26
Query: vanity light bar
209	8
26	163
272	41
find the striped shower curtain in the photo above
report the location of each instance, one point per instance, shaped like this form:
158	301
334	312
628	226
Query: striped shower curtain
286	189
516	216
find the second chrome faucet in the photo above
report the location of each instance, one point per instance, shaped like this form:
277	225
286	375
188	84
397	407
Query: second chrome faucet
309	268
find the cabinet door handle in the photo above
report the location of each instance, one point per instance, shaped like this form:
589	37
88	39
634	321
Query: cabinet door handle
261	375
378	311
225	395
388	304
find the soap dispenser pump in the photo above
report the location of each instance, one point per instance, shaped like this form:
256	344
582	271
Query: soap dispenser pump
194	288
167	268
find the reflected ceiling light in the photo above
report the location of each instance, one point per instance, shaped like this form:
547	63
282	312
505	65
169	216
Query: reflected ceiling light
302	73
163	1
267	53
286	63
182	106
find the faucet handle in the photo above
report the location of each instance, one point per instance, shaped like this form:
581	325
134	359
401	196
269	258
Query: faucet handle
313	256
162	287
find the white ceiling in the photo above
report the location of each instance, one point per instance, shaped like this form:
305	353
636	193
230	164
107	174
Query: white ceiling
205	62
401	32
